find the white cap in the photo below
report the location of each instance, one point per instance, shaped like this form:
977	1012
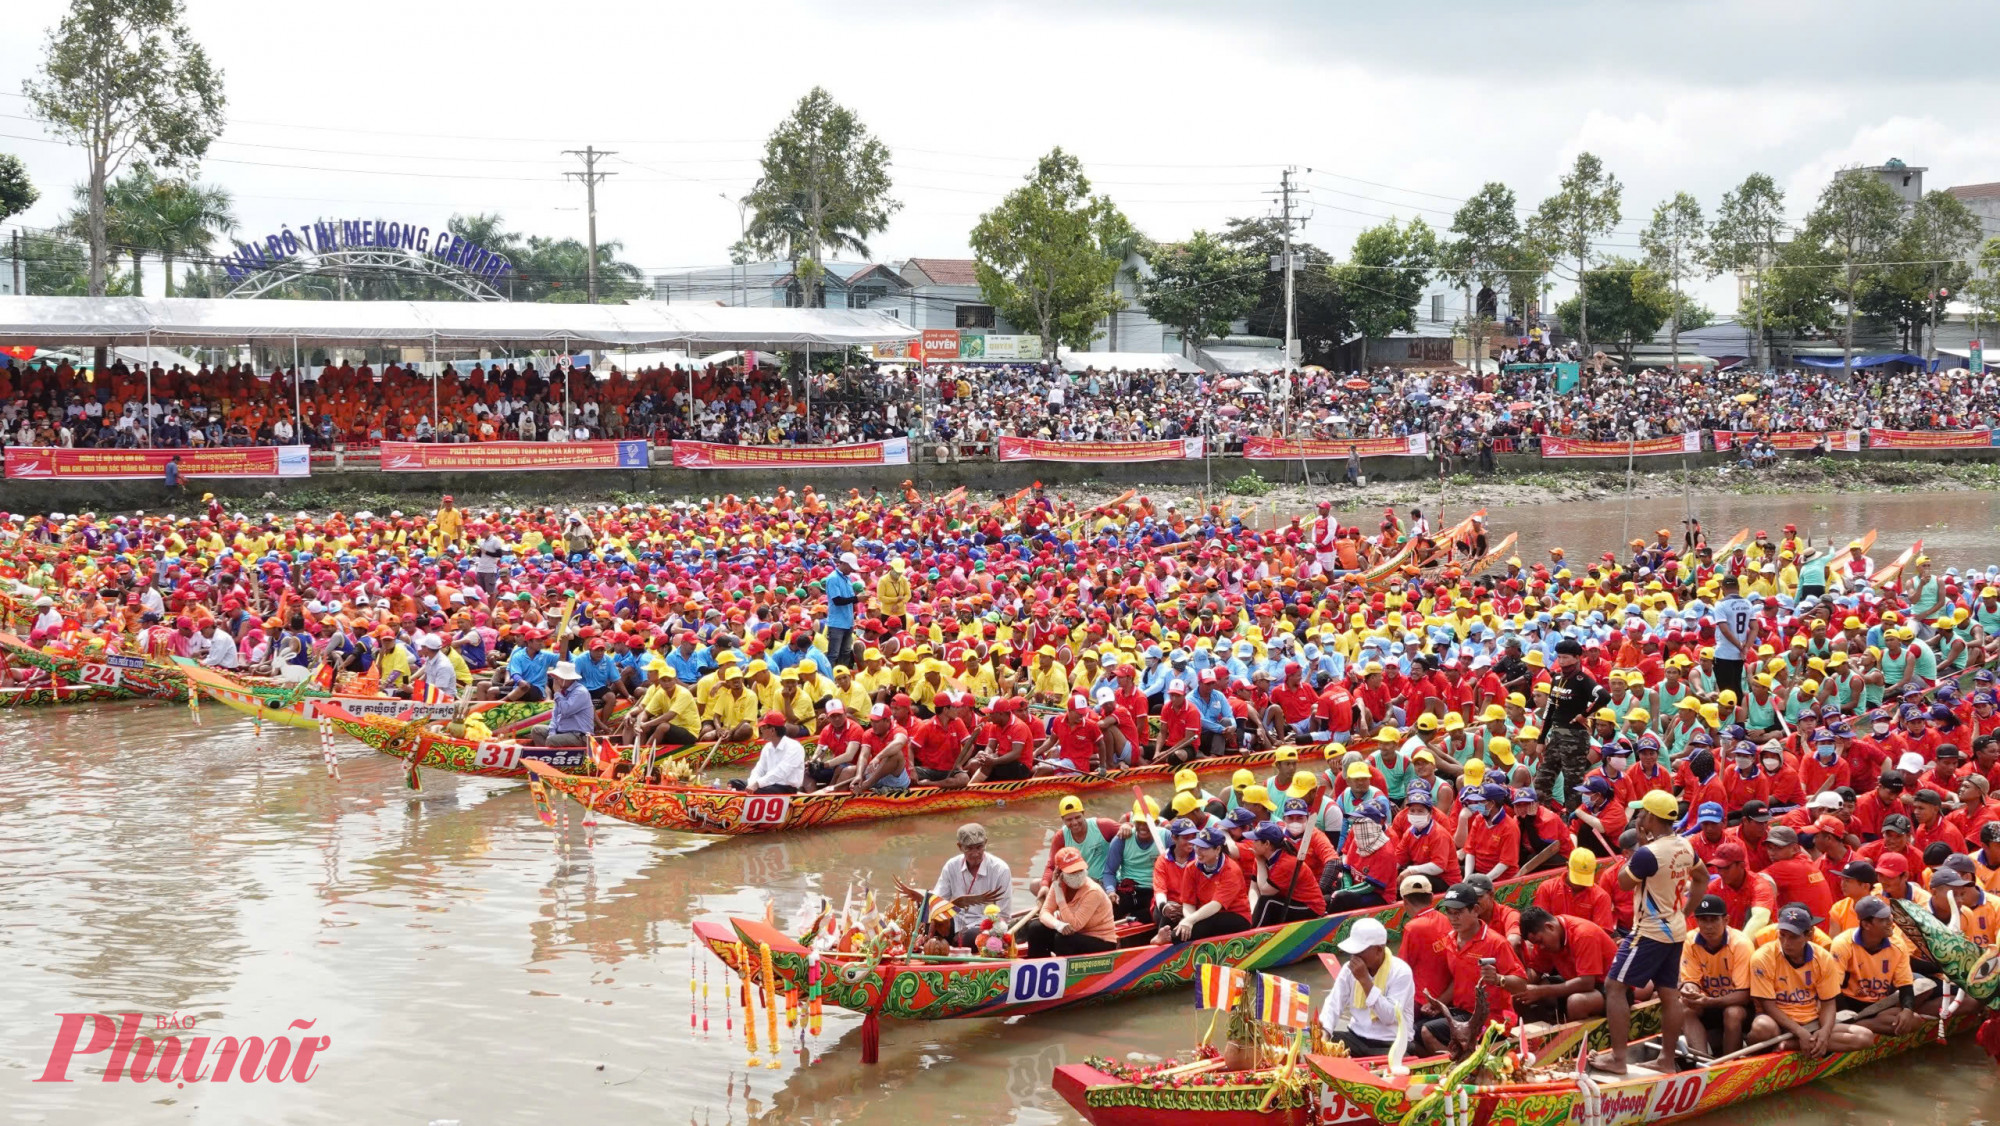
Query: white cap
565	670
835	707
1910	763
850	559
1825	799
1366	933
880	711
1104	696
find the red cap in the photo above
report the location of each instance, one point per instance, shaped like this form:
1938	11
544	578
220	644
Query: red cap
773	719
1729	852
1892	864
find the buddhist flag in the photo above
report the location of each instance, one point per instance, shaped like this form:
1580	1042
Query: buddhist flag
1220	986
1283	1001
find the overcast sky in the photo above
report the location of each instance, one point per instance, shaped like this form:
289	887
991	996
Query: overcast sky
1184	111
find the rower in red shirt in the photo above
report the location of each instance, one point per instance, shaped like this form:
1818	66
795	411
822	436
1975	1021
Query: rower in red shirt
1577	893
1469	944
1488	832
1751	897
1873	807
1424	845
1558	950
1797	876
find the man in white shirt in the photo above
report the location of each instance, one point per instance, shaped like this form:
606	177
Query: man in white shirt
781	765
1372	1005
971	880
48	619
437	672
221	652
486	561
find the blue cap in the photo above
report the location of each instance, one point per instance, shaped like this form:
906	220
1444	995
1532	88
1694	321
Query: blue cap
1211	837
1419	795
1527	794
1495	792
1597	784
1296	806
1181	827
1823	736
1268	833
1709	813
1244	816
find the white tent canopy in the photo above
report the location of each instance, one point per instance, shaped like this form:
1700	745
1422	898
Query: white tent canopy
211	322
1126	361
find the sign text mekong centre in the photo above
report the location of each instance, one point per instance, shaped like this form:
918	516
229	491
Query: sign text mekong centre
326	237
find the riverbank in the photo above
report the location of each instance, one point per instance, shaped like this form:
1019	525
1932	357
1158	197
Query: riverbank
1272	487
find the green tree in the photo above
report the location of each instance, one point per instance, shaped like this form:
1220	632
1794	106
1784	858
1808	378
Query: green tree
1487	242
1930	264
1796	297
120	78
1584	207
1748	228
59	266
1200	287
17	193
1385	276
825	187
1319	314
1676	245
124	208
1632	302
1982	293
1045	256
555	270
1856	221
178	219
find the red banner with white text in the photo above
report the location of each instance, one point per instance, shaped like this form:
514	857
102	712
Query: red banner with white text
499	457
1334	449
58	464
1840	441
714	455
1927	439
1689	443
1036	449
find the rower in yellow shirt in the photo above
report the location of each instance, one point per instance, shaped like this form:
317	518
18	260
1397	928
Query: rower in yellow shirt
1048	680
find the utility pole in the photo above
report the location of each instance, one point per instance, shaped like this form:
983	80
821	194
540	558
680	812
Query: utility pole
20	267
590	176
1290	370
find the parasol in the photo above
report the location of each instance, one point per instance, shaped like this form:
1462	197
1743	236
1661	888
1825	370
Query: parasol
1746	397
1229	411
1356	385
1520	405
1229	385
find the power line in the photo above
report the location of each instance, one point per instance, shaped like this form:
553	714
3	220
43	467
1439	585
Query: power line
591	177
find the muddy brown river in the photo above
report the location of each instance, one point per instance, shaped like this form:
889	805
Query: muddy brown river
464	968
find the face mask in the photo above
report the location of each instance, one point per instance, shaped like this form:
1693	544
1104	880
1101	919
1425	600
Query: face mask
1825	755
1617	763
1420	821
1072	880
1773	763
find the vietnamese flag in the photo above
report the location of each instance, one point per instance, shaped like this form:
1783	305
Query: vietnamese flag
22	352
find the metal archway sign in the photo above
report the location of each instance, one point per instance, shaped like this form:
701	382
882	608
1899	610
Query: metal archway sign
364	262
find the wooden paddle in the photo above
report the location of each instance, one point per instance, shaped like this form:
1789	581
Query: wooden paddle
1842	1018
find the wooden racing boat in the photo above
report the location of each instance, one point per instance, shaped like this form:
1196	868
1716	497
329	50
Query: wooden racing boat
1894	570
1370	575
1499	552
1642	1096
413	734
946	988
725	812
34	697
121	677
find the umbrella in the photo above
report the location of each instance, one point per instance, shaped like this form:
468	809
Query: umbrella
1312	369
1746	397
1356	385
1229	385
1229	411
1520	405
1483	397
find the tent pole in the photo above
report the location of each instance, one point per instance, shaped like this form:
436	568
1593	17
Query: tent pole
149	386
568	370
298	396
435	373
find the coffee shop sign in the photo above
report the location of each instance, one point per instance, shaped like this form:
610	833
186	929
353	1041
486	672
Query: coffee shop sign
326	237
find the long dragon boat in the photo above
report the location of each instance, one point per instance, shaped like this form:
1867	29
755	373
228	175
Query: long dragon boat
119	677
413	735
1646	1096
716	811
946	988
35	697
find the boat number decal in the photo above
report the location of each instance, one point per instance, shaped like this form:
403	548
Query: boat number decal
1335	1110
1039	980
126	662
766	809
497	756
1678	1096
106	676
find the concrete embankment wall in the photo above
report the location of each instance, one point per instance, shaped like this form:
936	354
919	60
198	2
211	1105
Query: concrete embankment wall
341	486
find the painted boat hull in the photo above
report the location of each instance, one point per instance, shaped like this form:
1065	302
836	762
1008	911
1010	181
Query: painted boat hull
722	812
54	694
1003	987
1105	1100
120	682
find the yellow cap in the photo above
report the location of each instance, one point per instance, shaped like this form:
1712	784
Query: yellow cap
1070	804
1640	714
1475	771
1150	809
1528	733
1495	711
1303	783
1427	722
1357	770
1388	735
1606	714
1515	699
1242	778
1257	795
1534	658
1454	722
1185	803
1285	754
1503	749
1661	804
1185	779
1583	866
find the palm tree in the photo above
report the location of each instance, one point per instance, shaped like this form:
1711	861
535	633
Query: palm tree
125	203
181	219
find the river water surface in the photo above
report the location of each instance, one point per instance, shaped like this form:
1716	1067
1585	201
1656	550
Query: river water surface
468	969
